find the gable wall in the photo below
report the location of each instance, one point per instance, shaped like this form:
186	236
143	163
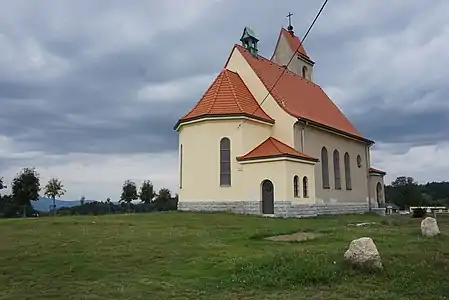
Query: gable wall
283	54
283	127
314	139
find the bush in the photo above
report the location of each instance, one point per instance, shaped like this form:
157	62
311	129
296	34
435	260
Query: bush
419	213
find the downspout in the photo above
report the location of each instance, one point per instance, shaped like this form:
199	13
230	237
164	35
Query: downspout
367	158
303	137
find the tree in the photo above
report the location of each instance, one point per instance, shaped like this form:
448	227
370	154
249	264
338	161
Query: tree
53	189
82	200
404	191
2	185
147	193
25	188
129	192
163	200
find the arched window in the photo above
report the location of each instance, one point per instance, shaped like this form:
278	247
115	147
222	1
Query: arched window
325	168
304	71
348	171
296	186
180	166
359	161
337	177
225	162
305	187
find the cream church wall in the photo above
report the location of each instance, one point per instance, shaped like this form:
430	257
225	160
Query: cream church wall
201	158
314	139
301	170
283	128
374	179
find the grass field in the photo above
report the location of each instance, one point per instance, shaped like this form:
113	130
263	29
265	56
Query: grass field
216	256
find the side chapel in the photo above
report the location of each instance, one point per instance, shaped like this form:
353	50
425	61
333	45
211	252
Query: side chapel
261	143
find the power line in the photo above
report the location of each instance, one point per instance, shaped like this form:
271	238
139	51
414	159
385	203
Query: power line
293	56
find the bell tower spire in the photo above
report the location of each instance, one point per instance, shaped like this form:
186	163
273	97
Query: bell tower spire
249	41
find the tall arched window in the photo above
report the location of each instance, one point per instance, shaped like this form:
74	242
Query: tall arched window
337	177
304	71
305	187
296	186
225	162
180	166
325	168
348	172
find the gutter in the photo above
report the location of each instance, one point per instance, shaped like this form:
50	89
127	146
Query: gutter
367	163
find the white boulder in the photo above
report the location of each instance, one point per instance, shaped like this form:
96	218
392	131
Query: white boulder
429	227
363	252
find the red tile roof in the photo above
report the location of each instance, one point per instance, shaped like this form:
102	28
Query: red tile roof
377	171
227	96
271	148
299	97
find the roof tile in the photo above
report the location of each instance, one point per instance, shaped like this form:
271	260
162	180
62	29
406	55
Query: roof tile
227	95
298	96
272	147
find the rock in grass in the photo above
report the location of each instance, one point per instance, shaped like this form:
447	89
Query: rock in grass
429	227
363	252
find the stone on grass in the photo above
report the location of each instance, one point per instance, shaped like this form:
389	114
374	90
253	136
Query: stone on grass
429	227
363	252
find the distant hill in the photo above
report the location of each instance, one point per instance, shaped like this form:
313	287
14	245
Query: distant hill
44	203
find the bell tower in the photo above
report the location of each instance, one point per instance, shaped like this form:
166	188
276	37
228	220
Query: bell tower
289	45
249	41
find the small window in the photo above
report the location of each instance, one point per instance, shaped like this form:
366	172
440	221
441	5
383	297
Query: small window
359	161
305	187
304	72
296	186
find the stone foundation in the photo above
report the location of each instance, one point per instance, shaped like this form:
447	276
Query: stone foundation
285	209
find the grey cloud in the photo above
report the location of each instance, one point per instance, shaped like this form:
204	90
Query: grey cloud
89	107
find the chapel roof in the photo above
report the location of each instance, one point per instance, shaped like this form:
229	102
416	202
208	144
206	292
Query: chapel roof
298	96
227	96
273	148
377	171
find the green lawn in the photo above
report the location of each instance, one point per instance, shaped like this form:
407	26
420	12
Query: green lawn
216	256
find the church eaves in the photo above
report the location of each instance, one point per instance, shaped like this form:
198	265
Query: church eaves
227	96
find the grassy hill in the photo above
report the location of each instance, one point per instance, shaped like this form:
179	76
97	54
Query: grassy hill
215	256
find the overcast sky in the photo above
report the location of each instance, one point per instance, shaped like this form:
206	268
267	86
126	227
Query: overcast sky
90	89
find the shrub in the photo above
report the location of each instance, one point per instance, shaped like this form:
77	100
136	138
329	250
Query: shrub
419	213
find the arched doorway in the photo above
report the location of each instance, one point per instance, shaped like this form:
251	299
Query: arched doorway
379	194
267	197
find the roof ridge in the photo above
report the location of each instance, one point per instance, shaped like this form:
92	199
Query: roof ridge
219	83
231	86
280	66
272	140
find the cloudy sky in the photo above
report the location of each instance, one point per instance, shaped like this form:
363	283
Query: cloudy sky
90	89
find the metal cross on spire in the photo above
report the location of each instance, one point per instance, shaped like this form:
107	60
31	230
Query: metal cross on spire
289	16
290	26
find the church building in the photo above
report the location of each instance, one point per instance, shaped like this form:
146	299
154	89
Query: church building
265	139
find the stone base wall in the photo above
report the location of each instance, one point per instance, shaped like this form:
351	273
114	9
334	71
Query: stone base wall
285	209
